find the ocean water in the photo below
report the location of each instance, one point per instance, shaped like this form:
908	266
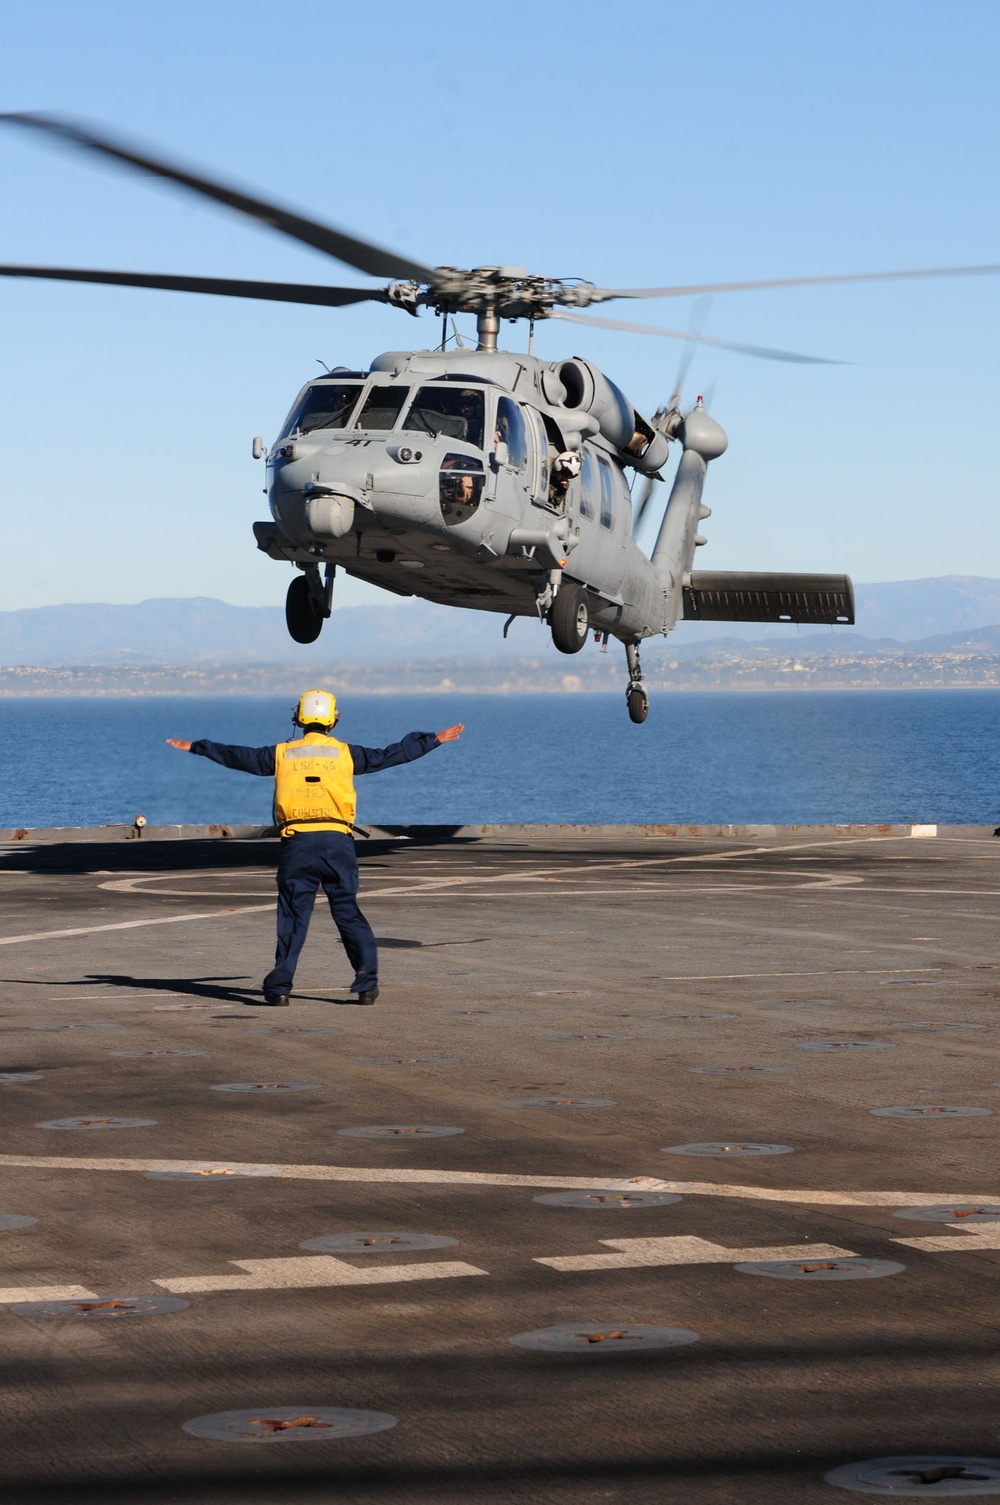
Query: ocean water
836	756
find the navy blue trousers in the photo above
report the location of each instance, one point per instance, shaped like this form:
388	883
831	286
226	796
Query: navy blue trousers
308	861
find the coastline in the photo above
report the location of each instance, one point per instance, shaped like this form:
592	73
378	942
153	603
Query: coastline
599	674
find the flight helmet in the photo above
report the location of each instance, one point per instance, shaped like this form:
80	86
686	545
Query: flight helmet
316	708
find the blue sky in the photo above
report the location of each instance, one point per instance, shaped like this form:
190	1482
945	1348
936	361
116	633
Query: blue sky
658	144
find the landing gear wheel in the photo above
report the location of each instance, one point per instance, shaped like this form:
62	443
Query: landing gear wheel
304	622
638	705
569	618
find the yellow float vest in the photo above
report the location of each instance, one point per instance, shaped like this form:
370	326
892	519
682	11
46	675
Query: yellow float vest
313	785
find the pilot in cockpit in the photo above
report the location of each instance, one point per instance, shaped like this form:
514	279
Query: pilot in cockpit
470	408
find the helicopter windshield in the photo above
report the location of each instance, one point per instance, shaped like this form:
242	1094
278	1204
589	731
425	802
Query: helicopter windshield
455	412
382	408
328	405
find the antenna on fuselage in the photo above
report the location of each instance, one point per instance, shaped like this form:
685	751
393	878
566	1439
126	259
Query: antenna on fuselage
459	342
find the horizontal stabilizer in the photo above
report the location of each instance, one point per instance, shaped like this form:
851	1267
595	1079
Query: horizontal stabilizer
734	596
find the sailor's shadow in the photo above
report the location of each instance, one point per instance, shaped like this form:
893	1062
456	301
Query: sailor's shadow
196	987
209	988
388	941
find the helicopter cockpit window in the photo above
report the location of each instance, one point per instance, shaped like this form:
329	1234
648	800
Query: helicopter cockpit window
590	486
462	482
607	494
382	408
510	431
328	405
454	412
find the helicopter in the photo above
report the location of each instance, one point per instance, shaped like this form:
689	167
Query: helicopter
484	478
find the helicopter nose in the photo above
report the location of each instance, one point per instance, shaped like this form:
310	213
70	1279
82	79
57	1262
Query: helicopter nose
315	513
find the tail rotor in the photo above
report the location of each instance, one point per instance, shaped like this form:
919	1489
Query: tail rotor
668	419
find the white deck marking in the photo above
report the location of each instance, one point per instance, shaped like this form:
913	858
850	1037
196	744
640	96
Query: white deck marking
973	1239
174	919
45	1293
396	1176
472	886
428	886
812	972
304	1271
483	888
111	995
634	1253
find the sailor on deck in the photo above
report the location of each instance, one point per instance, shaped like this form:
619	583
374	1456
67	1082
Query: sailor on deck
314	808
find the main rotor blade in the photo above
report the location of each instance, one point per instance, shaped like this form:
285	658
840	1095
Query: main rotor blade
227	287
762	352
347	248
696	323
601	294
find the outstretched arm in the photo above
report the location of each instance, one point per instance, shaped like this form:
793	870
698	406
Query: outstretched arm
258	760
415	745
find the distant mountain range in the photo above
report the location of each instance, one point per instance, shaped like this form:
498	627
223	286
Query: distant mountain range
948	613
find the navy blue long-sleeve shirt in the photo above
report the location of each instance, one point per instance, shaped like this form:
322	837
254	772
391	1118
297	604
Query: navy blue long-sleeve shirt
260	760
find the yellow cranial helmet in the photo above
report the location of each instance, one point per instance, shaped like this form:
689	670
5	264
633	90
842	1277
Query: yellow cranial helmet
316	708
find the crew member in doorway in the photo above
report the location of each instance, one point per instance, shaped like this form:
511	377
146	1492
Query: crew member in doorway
564	468
314	808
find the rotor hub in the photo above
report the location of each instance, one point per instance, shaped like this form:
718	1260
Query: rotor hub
507	292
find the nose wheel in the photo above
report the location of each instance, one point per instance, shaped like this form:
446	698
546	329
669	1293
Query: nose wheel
635	696
308	604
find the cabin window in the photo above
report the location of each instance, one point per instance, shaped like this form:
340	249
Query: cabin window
510	430
590	486
454	412
462	479
538	455
328	405
382	408
607	494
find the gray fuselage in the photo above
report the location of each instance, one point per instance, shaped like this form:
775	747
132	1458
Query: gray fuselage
432	475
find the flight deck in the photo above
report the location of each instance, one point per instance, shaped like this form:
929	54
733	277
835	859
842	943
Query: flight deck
664	1170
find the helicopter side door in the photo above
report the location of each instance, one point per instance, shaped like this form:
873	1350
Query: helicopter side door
601	502
538	458
515	455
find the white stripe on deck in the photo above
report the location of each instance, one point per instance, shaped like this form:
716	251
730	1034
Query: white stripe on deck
46	1293
973	1238
631	1254
304	1272
174	919
395	1176
640	1253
